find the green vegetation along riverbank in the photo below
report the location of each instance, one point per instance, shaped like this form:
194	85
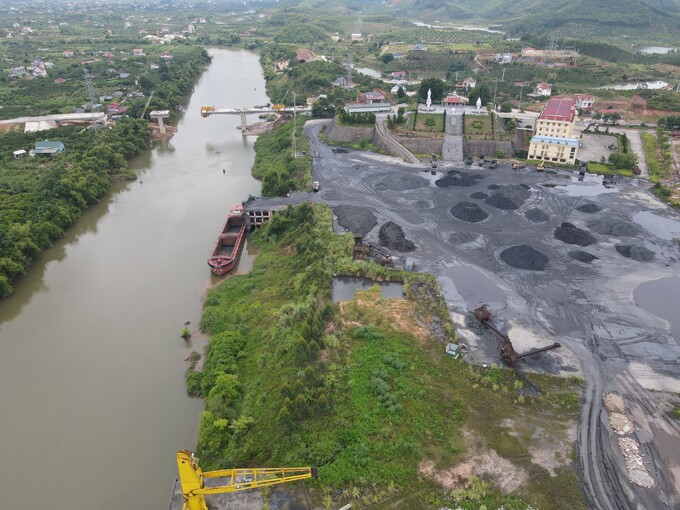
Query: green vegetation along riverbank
42	196
363	390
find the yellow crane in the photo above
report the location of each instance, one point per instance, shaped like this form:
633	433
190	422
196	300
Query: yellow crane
194	490
281	106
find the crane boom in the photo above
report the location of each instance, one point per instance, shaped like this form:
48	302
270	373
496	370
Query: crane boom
146	106
192	478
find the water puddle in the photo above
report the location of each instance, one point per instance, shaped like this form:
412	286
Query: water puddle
661	227
661	298
344	288
472	286
586	186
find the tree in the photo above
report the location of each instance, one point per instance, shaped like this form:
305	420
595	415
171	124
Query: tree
506	107
480	91
400	92
387	58
437	87
323	109
624	161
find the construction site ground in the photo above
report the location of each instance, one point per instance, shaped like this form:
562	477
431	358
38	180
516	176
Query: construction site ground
556	259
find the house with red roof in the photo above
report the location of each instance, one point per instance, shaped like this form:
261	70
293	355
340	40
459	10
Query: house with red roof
585	102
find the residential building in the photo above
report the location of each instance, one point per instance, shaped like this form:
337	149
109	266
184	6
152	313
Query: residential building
398	56
191	28
503	58
137	52
399	75
48	147
543	89
18	71
357	37
68	53
469	83
553	138
585	102
419	47
344	82
166	56
373	97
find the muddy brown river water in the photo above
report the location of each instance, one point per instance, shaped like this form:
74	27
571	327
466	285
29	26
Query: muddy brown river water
92	398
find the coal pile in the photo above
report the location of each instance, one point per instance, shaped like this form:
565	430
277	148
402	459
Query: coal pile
639	253
458	179
493	187
469	212
524	257
392	236
537	215
582	256
570	234
480	195
358	220
589	208
457	238
398	182
613	227
509	198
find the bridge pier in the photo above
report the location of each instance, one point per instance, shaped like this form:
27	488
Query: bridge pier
243	123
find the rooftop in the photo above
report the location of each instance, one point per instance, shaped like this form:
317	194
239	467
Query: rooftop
559	110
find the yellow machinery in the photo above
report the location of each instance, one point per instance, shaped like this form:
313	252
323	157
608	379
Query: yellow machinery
541	166
278	107
518	164
193	489
207	110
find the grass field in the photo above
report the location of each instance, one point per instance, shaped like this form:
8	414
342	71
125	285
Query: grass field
426	123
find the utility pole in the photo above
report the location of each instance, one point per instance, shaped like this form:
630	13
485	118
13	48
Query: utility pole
294	117
494	95
521	89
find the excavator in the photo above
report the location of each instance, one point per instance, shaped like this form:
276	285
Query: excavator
194	490
517	164
540	167
281	106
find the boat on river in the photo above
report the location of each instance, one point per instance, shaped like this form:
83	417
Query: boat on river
228	246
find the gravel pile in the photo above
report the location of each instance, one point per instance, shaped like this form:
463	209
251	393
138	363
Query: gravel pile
613	227
524	257
358	220
537	215
637	472
509	198
392	236
480	195
582	256
397	182
614	403
570	234
459	179
639	253
463	237
589	208
469	212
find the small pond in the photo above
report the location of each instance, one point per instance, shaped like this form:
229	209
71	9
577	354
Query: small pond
661	298
344	288
652	85
658	50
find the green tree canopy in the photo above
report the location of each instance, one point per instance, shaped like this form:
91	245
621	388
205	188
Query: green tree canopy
437	87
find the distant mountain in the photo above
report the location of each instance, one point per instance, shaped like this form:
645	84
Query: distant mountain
565	18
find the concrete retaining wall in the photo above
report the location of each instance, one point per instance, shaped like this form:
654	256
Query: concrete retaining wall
419	145
349	134
487	148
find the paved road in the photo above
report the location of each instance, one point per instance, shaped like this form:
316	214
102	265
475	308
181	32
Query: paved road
396	147
589	309
635	146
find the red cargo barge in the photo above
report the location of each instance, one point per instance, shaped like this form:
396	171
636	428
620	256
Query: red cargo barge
228	246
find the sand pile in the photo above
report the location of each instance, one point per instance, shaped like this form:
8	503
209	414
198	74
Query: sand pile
469	212
480	195
589	208
613	227
392	236
524	257
537	215
399	182
614	403
358	220
570	234
509	198
459	179
582	256
639	253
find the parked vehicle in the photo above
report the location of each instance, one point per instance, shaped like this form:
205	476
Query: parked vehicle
315	186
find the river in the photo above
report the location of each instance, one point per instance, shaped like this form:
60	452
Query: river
92	391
